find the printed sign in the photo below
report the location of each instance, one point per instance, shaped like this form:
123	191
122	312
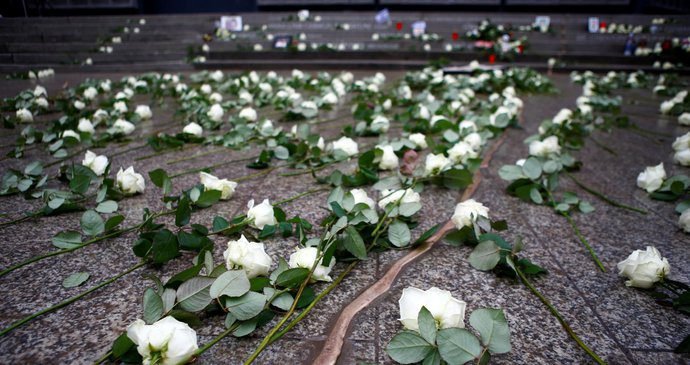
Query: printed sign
543	22
418	28
593	24
383	17
282	41
232	23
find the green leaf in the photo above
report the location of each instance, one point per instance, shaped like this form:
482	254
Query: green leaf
247	306
511	172
113	222
121	345
55	202
189	241
67	239
233	283
160	178
485	256
208	198
153	306
106	207
91	223
493	329
532	168
427	325
183	212
33	169
164	247
220	223
408	348
457	345
281	153
585	207
399	234
193	294
409	209
75	279
80	184
292	277
354	243
456	179
535	195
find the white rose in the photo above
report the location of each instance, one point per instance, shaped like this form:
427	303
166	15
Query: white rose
130	182
215	98
71	133
216	75
545	148
120	107
143	111
248	256
193	129
225	186
380	124
305	258
79	105
41	102
169	340
651	178
474	140
360	196
684	119
40	91
387	104
467	212
321	144
682	142
206	89
423	112
419	140
258	47
24	115
666	106
97	163
447	311
346	145
99	116
303	15
461	152
469	125
402	196
90	93
389	160
261	215
215	113
248	114
435	164
329	98
563	115
682	157
644	268
85	126
122	126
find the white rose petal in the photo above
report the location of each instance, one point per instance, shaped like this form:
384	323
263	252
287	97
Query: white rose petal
402	196
130	182
360	196
215	113
248	114
193	129
261	215
389	160
97	163
644	268
248	256
305	258
174	341
225	186
467	212
24	115
346	145
447	311
651	178
144	112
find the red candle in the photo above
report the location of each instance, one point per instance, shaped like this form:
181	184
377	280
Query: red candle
455	36
521	48
398	25
492	58
602	25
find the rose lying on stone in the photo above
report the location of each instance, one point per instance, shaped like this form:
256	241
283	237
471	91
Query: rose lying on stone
97	163
549	146
360	196
684	221
467	213
24	115
86	126
419	140
644	268
215	113
144	112
305	258
260	215
346	145
651	178
248	256
447	311
401	196
193	129
122	126
248	114
388	159
166	342
130	182
435	164
225	186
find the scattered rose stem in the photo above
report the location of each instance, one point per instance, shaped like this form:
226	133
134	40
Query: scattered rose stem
635	127
165	151
69	300
205	153
17	220
584	241
558	316
604	197
215	340
603	146
211	167
82	245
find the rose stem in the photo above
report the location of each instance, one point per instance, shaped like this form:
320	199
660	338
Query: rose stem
215	340
558	316
604	197
70	300
603	146
584	241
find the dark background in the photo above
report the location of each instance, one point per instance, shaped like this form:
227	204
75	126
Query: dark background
13	8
